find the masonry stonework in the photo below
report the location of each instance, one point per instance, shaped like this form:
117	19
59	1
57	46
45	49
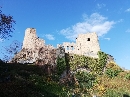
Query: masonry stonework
31	41
86	44
34	49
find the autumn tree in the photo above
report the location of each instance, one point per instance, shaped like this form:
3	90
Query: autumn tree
6	25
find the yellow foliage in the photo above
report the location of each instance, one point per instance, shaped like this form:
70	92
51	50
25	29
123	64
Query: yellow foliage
113	65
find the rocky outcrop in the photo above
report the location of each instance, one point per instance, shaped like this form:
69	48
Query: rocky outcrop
110	58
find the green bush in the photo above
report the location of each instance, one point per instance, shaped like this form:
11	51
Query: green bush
111	73
102	60
95	65
127	76
61	65
113	93
86	80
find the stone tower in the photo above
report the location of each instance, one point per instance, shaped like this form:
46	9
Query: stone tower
86	44
31	41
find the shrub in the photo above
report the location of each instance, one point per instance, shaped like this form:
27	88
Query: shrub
113	93
86	80
112	69
61	65
127	76
113	66
111	73
102	61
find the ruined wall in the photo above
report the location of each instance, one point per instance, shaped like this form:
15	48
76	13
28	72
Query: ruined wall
31	41
34	49
86	44
69	47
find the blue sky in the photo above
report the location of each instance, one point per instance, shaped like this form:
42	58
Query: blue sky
58	21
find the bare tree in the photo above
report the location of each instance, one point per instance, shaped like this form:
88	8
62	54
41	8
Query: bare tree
12	50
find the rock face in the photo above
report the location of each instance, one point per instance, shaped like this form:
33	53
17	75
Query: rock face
35	50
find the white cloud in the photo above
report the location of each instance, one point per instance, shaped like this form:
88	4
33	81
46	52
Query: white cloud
128	30
95	23
99	6
127	10
50	37
107	38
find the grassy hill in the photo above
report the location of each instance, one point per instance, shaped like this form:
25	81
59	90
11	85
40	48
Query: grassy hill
26	80
29	80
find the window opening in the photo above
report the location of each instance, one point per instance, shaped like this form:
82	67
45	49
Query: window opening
72	48
67	47
88	39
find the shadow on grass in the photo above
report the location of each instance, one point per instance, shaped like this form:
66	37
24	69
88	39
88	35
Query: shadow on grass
125	95
25	80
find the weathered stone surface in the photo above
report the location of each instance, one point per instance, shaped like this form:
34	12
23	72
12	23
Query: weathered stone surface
35	50
110	58
86	44
31	41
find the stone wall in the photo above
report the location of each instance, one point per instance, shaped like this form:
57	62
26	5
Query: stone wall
86	44
31	41
69	47
35	50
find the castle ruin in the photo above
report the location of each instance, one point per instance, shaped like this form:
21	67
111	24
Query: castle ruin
31	41
86	44
34	48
